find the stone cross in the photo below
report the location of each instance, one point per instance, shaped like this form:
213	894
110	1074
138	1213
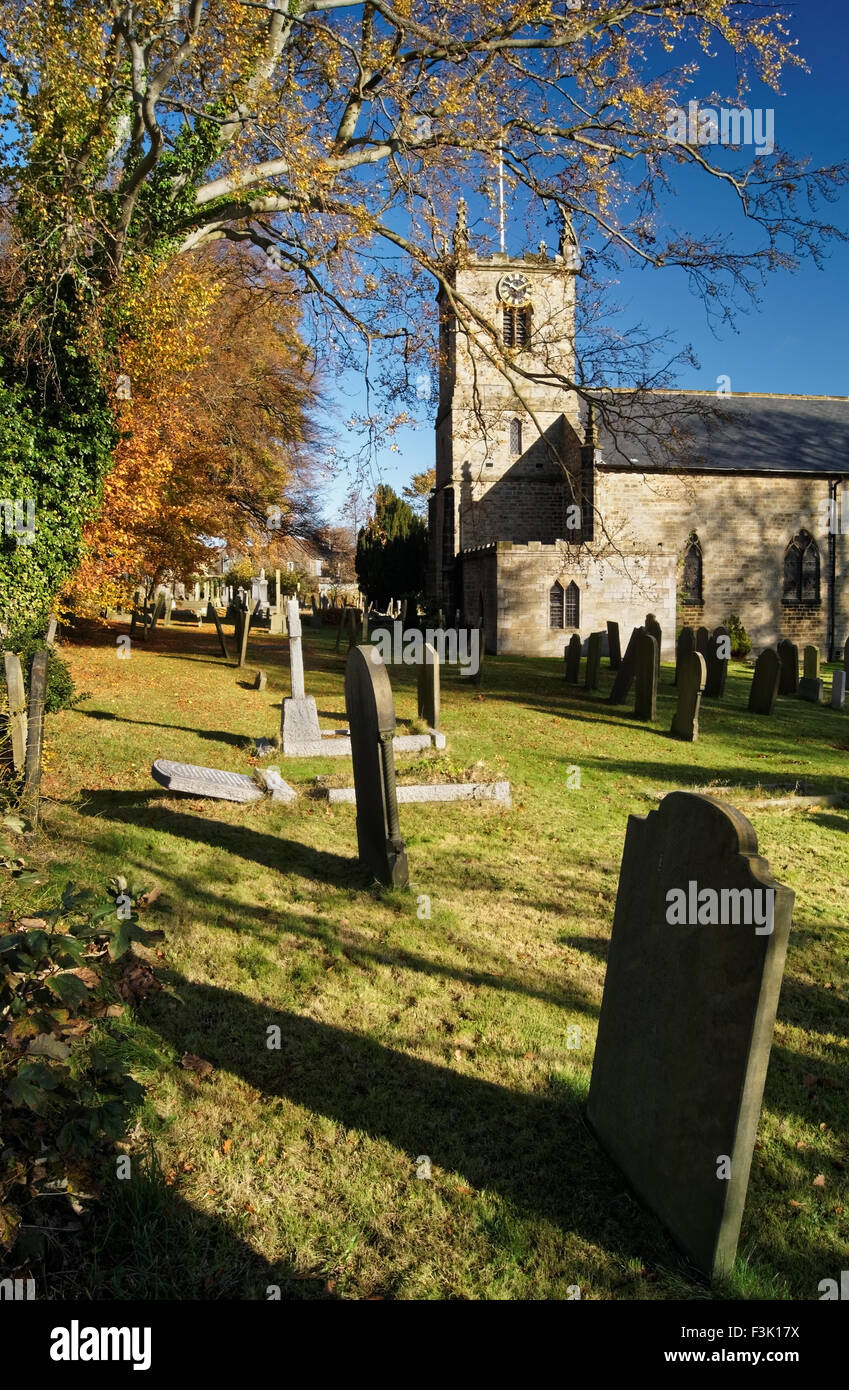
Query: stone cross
691	683
812	663
697	953
717	665
572	657
296	655
428	687
593	660
16	695
614	649
645	683
625	675
838	689
371	716
683	647
788	681
764	688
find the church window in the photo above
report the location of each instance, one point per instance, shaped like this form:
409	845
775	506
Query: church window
572	613
802	570
691	579
555	605
515	438
516	324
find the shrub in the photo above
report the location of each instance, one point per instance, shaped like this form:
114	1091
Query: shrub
741	643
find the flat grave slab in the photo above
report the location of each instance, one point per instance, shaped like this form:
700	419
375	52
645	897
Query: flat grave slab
213	782
430	791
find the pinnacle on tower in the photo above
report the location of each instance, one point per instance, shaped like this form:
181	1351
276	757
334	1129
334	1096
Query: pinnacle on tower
461	240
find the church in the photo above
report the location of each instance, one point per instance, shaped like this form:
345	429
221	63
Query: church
549	516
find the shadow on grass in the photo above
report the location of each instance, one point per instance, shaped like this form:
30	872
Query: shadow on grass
216	735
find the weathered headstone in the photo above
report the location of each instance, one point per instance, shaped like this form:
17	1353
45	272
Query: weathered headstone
243	638
50	634
300	716
683	647
838	689
812	663
702	640
810	688
315	615
846	656
763	691
625	675
614	649
212	615
653	627
572	658
694	971
788	681
35	733
428	687
371	715
205	781
260	681
166	613
593	660
645	676
691	683
158	610
719	649
17	700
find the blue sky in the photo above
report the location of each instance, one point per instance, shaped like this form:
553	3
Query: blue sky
795	340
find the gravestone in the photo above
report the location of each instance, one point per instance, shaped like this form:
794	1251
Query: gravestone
428	687
50	634
625	675
645	676
810	688
717	665
593	660
35	733
702	640
691	683
838	689
687	1018
614	649
243	638
300	716
653	627
221	786
260	681
683	647
788	681
17	700
846	656
315	615
212	615
158	610
572	657
763	691
812	663
371	715
166	612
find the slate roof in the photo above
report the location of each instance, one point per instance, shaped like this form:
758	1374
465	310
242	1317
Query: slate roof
743	433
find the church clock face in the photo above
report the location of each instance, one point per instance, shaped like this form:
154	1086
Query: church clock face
514	288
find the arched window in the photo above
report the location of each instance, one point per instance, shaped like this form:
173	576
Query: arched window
515	438
691	579
802	570
515	326
572	615
555	605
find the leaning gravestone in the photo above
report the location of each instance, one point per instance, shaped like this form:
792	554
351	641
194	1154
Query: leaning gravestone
221	786
572	657
653	626
810	688
614	649
702	640
428	687
691	683
593	660
35	734
764	688
300	716
212	614
260	680
683	647
719	650
625	674
17	700
687	1018
371	715
812	663
838	689
243	638
645	676
788	681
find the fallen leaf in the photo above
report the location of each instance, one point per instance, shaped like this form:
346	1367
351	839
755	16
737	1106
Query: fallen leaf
88	977
819	1180
466	1191
197	1065
529	1056
31	924
796	1205
801	1144
227	1146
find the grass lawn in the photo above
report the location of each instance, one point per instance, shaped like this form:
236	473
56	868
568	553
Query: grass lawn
404	1037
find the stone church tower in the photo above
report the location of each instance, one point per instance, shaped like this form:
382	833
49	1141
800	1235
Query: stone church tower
544	525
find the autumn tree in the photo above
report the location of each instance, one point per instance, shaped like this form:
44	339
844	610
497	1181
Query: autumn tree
335	139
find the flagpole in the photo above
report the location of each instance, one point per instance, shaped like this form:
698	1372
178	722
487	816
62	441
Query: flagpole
501	194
